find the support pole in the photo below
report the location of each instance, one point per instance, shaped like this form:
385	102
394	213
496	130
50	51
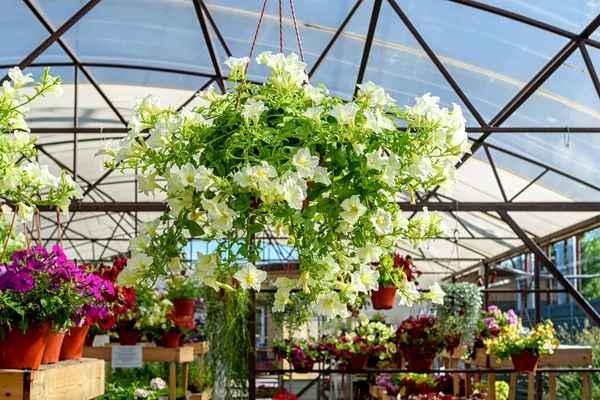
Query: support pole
552	269
252	353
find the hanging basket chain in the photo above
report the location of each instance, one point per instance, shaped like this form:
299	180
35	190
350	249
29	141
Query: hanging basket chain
281	26
12	225
297	31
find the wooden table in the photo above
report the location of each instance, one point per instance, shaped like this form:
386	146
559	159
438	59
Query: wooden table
66	380
181	355
201	350
564	356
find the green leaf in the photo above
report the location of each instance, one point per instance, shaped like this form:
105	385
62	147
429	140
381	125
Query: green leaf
194	228
323	205
315	191
255	228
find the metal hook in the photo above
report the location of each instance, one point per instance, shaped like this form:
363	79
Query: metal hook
567	137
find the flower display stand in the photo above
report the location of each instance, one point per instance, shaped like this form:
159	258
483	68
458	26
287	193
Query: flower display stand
65	380
564	356
451	362
181	355
201	349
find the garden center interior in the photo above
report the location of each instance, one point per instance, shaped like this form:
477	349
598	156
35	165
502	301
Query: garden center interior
201	218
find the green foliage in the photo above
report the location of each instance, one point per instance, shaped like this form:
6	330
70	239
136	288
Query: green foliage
569	385
590	264
461	310
227	331
182	286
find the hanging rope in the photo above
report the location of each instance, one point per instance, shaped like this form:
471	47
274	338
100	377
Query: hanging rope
12	225
260	20
281	26
297	31
58	229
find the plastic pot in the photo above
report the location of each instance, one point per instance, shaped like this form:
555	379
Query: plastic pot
383	298
72	346
24	350
53	346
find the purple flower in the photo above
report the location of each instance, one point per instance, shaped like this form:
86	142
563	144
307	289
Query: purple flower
492	308
22	282
493	327
490	320
35	265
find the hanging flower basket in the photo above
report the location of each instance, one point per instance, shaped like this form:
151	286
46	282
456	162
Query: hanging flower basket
24	351
525	362
74	340
383	298
53	347
183	307
418	362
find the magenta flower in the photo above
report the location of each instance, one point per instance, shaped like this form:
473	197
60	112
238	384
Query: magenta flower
22	282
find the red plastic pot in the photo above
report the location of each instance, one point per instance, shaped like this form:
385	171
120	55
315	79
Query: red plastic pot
383	298
358	362
128	338
525	362
302	369
24	351
170	339
73	342
53	346
183	307
418	362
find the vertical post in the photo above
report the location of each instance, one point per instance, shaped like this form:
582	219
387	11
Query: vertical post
537	318
252	353
486	285
75	118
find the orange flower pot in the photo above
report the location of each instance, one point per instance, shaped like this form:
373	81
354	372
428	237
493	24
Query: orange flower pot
170	339
53	347
383	298
24	351
73	342
525	362
183	307
128	338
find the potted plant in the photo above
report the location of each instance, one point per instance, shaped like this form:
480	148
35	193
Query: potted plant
420	339
154	391
460	312
301	353
273	393
380	337
408	384
523	346
141	317
155	316
391	276
182	291
37	295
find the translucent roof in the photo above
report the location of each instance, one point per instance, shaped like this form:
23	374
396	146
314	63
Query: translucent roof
523	71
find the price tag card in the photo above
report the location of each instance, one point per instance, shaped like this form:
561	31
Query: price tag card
126	357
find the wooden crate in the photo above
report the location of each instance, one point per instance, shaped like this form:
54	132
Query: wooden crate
149	354
564	356
66	380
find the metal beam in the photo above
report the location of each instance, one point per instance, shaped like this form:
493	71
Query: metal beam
55	35
334	39
590	66
436	61
216	28
591	312
368	43
210	45
432	206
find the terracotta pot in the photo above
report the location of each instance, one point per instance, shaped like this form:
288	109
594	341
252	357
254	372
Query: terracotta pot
418	362
309	365
183	307
525	362
73	343
128	338
53	346
170	339
358	362
383	298
24	351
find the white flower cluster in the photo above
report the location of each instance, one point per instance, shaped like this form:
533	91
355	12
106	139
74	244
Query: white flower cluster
286	157
27	183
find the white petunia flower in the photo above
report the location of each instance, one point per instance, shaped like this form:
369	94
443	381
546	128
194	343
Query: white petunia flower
148	105
376	160
250	277
237	66
409	294
208	95
370	253
313	94
292	192
329	305
150	228
322	176
253	109
223	221
353	209
436	294
19	80
314	113
345	227
369	277
382	222
344	113
282	298
400	221
305	163
139	244
24	213
206	265
146	183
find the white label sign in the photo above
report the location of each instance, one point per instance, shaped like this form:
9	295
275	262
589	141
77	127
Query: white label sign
126	357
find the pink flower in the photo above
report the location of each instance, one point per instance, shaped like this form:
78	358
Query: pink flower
141	394
157	384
